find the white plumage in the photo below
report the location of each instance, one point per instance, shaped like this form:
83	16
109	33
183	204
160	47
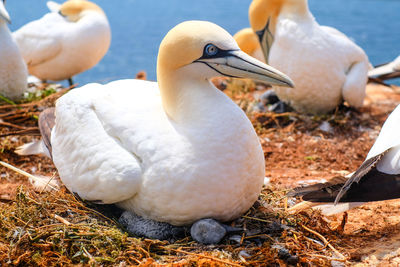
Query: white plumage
65	43
174	151
13	72
326	66
389	138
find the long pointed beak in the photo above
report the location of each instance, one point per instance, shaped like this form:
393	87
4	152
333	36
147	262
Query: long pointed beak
238	64
3	13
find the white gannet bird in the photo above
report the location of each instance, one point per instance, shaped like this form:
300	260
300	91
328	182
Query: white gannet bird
248	43
13	72
175	151
386	71
326	66
378	178
72	38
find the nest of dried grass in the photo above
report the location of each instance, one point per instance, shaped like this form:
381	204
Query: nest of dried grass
54	228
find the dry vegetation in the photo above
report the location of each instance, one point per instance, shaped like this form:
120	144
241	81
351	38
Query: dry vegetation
46	228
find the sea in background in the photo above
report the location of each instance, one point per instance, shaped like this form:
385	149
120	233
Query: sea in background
139	26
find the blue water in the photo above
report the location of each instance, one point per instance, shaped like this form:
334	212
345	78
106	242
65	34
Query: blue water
138	27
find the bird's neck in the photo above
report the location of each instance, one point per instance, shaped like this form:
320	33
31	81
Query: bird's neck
298	9
186	98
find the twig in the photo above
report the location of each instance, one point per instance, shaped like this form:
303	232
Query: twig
5	99
24	173
326	243
12	125
62	220
28	131
204	256
256	219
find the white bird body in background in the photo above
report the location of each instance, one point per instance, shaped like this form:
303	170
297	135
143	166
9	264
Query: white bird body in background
175	151
65	43
326	66
13	72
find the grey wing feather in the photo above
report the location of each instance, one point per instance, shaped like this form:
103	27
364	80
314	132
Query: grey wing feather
47	120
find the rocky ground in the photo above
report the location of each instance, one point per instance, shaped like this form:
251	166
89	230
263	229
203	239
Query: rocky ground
298	149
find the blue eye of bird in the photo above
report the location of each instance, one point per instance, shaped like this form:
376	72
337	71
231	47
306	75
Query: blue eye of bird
211	50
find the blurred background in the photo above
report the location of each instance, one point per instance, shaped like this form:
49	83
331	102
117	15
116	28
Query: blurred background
139	26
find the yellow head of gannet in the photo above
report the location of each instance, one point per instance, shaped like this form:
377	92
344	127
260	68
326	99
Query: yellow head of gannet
72	38
203	54
326	66
248	42
13	73
74	10
160	150
263	15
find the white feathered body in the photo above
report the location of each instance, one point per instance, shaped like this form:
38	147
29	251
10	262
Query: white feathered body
389	138
56	49
115	143
13	72
324	64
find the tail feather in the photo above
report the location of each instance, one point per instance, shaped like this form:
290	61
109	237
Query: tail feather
53	6
43	146
32	148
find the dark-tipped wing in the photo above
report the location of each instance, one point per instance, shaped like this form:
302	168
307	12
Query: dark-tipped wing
359	174
47	120
366	184
322	192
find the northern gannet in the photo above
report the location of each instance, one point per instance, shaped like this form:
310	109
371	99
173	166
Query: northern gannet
62	44
326	66
248	43
175	151
386	71
378	178
13	72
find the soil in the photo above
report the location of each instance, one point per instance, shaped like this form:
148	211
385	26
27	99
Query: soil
298	149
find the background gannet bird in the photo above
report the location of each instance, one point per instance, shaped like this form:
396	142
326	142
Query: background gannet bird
64	43
176	151
248	43
13	72
378	178
386	71
326	66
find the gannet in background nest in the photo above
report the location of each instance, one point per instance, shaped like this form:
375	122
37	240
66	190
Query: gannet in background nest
176	151
13	72
378	178
248	43
386	71
72	38
326	66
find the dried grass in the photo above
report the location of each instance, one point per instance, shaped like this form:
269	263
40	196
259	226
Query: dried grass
55	229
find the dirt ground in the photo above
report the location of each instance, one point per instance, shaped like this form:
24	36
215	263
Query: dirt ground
298	150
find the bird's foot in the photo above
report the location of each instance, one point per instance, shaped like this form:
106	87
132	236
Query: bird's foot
209	231
140	226
71	83
205	231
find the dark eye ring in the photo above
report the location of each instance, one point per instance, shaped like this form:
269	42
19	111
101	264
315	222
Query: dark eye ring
211	50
